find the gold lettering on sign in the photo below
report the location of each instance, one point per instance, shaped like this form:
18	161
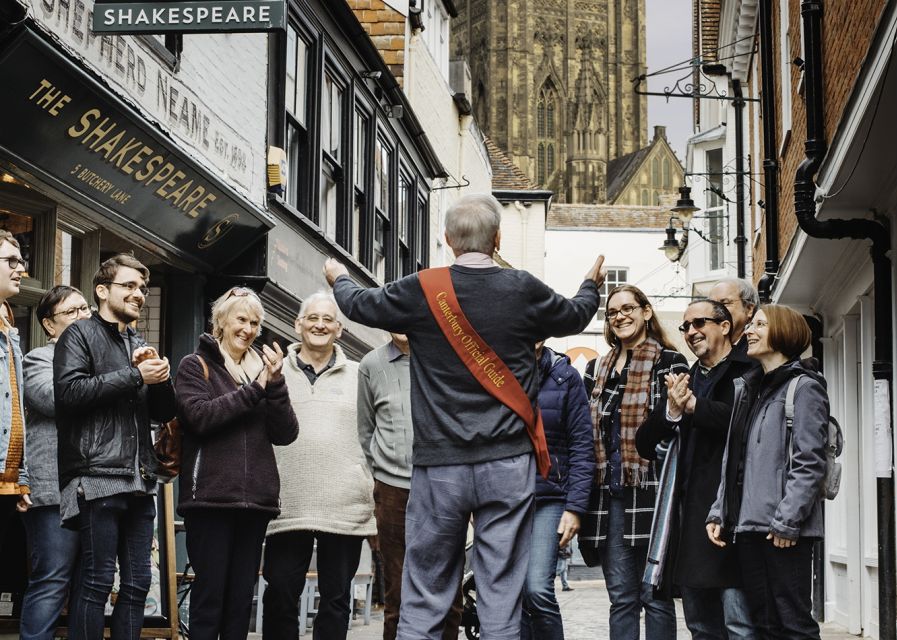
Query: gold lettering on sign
129	154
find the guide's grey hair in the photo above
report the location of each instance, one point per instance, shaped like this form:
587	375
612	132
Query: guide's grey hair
472	222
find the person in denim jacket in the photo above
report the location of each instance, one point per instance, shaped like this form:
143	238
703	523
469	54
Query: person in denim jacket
13	476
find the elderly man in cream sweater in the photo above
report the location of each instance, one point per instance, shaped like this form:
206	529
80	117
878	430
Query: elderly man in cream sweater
326	490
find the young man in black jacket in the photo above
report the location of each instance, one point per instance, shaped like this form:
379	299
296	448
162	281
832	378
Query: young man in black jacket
700	405
108	385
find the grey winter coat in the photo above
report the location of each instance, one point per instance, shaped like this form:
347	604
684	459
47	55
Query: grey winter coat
760	490
40	426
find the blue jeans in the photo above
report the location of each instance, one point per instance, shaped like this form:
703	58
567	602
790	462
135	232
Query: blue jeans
541	613
717	614
118	526
623	567
53	552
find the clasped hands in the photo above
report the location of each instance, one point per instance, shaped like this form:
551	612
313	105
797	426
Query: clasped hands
680	398
273	359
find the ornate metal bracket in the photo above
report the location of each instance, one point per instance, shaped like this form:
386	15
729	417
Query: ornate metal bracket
695	84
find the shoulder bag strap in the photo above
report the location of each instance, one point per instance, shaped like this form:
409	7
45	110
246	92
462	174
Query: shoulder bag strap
485	366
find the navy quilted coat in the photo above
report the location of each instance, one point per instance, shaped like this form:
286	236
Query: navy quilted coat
568	429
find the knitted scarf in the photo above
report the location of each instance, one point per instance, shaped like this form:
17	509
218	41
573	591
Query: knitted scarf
634	408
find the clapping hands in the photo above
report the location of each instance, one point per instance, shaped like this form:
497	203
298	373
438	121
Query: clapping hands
680	399
273	359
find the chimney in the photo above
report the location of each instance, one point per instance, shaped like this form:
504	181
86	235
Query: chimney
660	131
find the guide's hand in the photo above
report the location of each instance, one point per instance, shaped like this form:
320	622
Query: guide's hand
597	273
333	269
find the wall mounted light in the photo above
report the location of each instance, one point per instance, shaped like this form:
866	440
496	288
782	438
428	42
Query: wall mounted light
685	207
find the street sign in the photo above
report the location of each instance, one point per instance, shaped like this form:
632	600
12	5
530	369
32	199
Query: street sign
196	16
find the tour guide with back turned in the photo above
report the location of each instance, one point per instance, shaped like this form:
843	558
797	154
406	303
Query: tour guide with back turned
472	453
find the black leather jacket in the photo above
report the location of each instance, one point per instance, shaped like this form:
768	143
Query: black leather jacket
103	408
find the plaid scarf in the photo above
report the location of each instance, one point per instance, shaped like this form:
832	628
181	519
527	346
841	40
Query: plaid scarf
634	408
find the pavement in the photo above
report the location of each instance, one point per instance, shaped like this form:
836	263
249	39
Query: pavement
585	613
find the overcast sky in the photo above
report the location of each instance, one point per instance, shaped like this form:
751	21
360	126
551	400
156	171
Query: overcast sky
669	42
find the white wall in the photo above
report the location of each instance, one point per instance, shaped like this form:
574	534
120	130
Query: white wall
214	106
570	253
455	138
523	236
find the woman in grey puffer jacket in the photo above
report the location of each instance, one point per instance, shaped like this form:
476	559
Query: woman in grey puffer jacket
769	502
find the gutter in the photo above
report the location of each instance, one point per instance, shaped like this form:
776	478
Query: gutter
878	232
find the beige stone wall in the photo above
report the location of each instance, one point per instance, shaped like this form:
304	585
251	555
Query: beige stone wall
588	52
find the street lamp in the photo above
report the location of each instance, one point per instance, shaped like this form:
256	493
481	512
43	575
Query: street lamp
671	247
685	207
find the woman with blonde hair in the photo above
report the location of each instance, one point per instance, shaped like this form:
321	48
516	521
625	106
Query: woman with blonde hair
775	522
629	383
234	408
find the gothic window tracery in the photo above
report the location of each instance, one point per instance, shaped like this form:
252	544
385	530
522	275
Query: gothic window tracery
546	132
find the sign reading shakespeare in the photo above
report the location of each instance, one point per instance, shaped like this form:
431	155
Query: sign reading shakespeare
197	16
60	122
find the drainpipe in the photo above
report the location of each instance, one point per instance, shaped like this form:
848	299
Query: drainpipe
740	238
882	366
770	153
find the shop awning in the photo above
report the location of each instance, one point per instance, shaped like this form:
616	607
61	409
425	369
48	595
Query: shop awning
61	124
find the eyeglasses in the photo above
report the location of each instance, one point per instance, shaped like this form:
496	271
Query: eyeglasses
625	310
755	325
14	262
697	323
131	287
315	319
73	312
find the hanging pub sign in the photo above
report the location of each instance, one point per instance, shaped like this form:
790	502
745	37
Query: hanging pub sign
195	16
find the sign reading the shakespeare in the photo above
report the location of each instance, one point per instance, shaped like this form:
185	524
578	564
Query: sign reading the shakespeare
61	122
196	16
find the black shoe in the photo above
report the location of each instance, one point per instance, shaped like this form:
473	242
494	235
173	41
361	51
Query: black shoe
567	589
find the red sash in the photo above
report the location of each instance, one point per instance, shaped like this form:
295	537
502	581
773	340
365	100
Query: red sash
481	360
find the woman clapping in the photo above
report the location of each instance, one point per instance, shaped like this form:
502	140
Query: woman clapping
234	407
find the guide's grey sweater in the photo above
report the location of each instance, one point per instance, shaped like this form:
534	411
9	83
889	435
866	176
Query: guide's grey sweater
455	420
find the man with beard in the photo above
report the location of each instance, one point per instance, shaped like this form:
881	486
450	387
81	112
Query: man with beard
108	385
697	411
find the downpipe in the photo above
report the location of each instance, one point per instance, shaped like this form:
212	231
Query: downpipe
770	154
878	232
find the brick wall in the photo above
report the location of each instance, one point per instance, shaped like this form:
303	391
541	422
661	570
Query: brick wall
386	27
847	32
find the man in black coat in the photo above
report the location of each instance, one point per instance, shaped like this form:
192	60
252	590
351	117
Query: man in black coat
700	405
108	384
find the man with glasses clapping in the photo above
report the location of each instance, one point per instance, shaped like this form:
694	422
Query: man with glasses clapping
108	385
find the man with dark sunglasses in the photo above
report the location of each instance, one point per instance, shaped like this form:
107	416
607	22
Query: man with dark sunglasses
108	385
697	411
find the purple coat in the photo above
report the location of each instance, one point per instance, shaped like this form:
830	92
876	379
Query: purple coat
229	435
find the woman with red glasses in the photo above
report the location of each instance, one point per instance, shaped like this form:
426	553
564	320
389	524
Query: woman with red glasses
629	382
234	408
769	503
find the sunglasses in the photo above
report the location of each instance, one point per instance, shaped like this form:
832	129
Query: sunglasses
240	292
697	323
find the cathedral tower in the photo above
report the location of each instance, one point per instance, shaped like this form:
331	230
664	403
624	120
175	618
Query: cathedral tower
552	85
